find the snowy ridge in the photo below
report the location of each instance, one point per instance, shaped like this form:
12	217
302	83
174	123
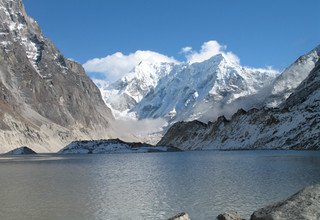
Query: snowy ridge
290	79
294	125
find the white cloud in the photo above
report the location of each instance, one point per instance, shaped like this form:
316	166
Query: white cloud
186	50
208	50
118	64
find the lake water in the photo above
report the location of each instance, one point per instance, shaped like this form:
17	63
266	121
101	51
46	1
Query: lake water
150	186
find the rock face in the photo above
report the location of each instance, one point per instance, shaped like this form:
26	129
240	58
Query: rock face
305	205
295	124
111	146
21	151
46	100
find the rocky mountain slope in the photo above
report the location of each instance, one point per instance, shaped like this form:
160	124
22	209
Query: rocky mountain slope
46	100
295	124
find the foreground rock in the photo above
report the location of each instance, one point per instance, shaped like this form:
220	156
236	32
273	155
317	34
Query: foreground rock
21	151
304	205
180	216
229	216
111	146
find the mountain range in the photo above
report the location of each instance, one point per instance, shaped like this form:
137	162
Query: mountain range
293	123
48	101
201	91
184	91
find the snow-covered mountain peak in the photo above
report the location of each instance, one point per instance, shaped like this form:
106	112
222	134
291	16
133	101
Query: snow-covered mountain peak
125	93
148	71
291	77
192	90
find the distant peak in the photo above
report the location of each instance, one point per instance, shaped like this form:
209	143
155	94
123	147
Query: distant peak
216	60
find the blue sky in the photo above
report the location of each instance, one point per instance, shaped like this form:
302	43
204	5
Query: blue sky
260	32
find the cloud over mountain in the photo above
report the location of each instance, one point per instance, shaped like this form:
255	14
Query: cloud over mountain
118	64
208	50
115	66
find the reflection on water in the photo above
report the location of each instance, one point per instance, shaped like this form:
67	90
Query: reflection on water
150	186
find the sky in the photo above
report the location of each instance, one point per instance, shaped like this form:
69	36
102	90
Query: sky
260	33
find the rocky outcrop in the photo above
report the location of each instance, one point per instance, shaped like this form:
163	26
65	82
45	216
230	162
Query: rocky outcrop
304	205
295	124
21	151
111	146
180	216
46	100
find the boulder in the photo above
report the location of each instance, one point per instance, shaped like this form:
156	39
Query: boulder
180	216
301	206
232	215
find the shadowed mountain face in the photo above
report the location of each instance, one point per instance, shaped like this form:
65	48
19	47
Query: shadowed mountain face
295	124
46	100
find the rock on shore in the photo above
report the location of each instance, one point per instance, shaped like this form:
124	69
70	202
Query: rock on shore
304	205
180	216
229	216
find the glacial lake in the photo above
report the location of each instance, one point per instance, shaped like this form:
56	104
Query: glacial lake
151	185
